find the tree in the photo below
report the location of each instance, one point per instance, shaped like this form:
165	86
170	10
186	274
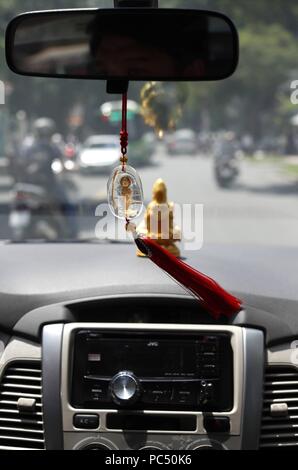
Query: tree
250	100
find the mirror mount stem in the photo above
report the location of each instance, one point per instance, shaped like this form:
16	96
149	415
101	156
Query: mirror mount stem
119	87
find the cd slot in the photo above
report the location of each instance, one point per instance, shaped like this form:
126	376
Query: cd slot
147	422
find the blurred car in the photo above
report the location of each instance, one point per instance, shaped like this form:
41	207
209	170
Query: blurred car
183	142
141	151
99	153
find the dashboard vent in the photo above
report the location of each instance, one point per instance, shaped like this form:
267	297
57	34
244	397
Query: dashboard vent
19	429
280	426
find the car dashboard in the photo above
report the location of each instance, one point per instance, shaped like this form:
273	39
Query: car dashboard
101	351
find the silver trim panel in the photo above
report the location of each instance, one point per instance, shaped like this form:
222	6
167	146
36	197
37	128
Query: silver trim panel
253	388
51	385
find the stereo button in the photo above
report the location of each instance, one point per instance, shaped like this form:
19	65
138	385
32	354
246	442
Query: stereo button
209	358
161	396
99	392
155	393
185	396
209	371
209	347
86	421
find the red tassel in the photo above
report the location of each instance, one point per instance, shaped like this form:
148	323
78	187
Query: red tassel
211	295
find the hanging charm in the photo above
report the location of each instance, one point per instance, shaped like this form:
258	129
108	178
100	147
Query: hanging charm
125	196
125	192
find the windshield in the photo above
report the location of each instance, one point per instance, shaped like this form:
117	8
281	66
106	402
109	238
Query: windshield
232	171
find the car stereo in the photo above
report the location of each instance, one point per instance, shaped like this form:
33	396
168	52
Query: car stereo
139	370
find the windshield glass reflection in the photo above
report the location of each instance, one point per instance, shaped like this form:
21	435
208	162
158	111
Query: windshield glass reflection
231	146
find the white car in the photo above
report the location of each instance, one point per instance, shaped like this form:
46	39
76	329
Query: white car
183	142
99	153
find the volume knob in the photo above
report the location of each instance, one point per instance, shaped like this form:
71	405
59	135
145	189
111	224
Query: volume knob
124	388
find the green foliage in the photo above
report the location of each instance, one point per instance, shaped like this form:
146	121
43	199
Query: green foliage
250	101
268	55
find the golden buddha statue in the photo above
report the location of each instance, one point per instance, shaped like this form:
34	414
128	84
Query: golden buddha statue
158	223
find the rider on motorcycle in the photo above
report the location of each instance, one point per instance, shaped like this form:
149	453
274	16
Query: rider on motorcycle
38	154
226	160
37	157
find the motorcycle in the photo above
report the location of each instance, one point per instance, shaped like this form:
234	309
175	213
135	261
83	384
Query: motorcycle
34	215
226	165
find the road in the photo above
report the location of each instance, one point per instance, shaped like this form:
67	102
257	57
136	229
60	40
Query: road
261	209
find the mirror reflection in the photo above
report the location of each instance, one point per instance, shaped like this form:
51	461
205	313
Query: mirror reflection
107	44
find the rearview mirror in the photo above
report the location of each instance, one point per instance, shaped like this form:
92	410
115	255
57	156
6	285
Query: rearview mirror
123	44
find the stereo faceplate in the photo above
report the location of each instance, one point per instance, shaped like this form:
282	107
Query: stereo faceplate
235	335
153	371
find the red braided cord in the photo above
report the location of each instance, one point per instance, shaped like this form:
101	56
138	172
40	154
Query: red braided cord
124	133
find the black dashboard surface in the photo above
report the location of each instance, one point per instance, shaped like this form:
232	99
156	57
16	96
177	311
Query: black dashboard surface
37	275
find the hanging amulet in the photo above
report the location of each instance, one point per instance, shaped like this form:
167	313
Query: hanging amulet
125	192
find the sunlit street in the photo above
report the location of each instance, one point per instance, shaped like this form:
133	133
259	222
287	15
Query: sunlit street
259	209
